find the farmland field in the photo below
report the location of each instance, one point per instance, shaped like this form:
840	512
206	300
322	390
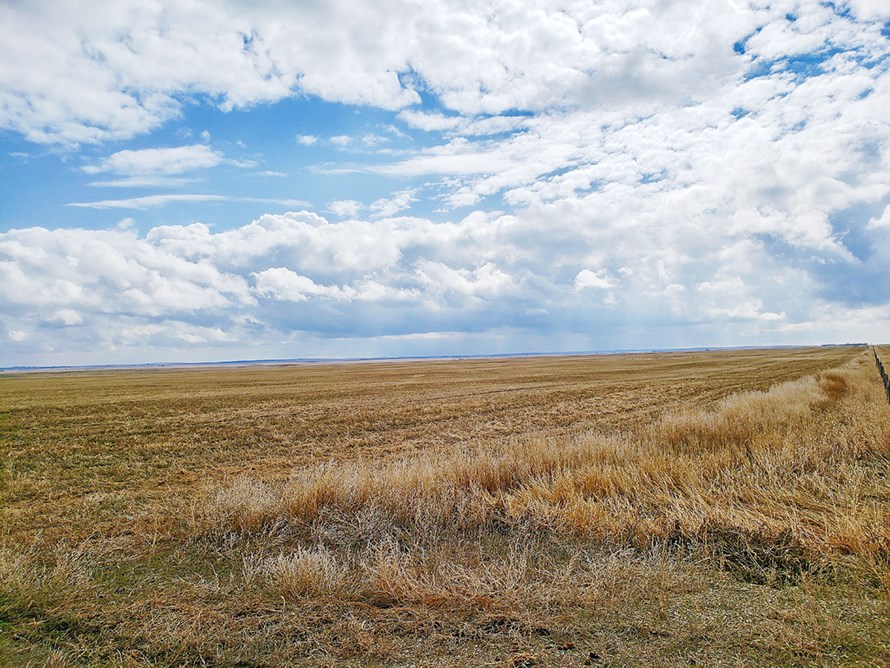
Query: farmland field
719	508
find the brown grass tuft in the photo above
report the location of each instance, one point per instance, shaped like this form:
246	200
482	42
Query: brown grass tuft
314	572
247	505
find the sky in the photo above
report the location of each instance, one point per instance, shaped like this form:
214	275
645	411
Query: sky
204	181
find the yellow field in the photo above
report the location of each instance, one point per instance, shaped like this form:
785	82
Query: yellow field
725	508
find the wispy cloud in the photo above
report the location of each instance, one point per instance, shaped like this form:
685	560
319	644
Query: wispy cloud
145	182
341	140
157	161
154	201
389	206
146	202
430	122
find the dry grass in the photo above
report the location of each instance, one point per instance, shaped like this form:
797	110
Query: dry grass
732	510
797	470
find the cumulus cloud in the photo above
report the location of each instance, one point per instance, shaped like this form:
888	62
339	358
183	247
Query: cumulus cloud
482	283
126	69
345	207
300	274
283	284
593	279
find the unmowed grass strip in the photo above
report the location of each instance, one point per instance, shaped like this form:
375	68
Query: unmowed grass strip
770	482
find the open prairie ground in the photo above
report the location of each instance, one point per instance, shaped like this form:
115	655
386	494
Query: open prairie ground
714	508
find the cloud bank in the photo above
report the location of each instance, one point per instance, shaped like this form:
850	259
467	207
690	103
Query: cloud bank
287	281
97	73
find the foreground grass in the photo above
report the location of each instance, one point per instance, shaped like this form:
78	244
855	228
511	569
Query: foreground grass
723	529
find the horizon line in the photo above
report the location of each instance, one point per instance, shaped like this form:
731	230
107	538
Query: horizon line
403	358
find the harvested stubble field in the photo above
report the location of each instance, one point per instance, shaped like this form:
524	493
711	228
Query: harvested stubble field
714	508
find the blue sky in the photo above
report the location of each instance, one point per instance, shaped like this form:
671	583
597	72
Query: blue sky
210	181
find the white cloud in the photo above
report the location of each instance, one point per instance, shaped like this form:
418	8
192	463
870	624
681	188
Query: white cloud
67	317
345	208
103	272
372	140
727	298
359	280
145	182
340	140
154	201
158	161
429	122
532	56
881	222
307	140
147	202
283	284
486	282
389	206
97	74
593	279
